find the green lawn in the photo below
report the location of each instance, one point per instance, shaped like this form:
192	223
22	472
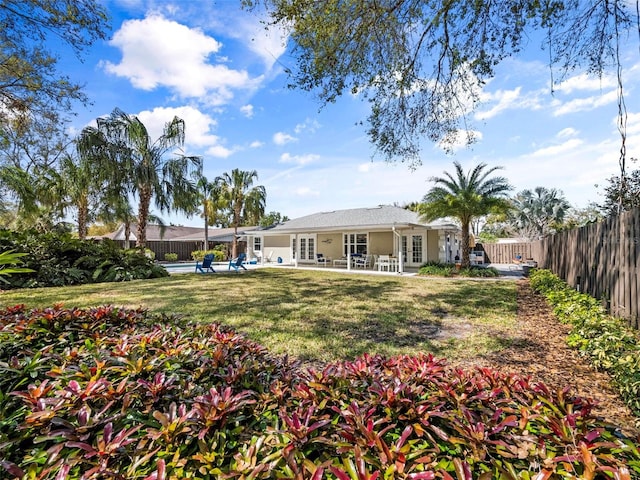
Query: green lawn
320	316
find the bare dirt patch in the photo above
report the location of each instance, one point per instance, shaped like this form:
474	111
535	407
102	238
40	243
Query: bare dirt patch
540	351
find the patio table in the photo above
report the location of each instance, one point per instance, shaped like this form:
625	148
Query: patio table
340	262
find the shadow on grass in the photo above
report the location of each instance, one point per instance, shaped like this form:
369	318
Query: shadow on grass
317	316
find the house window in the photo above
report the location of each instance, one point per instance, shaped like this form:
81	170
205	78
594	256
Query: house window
355	243
257	244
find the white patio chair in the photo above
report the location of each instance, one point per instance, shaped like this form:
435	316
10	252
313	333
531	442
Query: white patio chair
362	262
384	263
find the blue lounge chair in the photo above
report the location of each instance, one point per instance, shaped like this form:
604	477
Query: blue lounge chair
236	263
205	266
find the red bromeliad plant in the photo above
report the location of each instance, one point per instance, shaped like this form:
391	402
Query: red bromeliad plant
120	394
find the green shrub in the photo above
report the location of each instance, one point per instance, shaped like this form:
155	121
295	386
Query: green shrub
171	257
478	271
449	270
9	261
607	342
198	255
116	393
437	269
60	259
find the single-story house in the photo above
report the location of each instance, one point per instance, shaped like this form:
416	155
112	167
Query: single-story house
379	230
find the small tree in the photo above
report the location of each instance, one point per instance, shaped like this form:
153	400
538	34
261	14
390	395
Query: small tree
538	212
621	193
466	196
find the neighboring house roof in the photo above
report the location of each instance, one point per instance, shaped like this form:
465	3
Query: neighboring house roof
178	233
383	216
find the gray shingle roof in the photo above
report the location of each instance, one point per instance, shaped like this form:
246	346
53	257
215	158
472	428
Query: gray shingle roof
381	216
179	233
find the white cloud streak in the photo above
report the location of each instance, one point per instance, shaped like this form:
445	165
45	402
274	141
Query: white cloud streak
281	138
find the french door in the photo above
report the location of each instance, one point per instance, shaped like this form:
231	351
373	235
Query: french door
413	250
305	251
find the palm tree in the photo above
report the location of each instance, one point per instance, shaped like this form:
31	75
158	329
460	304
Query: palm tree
465	196
536	213
78	187
134	163
209	193
37	196
245	202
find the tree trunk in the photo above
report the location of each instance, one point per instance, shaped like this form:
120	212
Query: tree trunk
465	244
234	244
83	216
206	226
236	223
127	235
143	215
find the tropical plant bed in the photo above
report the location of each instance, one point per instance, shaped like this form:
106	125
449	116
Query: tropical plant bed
117	393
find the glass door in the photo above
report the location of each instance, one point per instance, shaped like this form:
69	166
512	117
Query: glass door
305	250
413	250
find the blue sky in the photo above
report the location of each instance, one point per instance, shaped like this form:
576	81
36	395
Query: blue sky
213	65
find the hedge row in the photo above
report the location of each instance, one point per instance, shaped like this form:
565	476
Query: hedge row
123	394
609	343
58	259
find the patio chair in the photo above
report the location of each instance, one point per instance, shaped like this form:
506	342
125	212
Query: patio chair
362	262
322	260
205	266
384	263
268	258
237	263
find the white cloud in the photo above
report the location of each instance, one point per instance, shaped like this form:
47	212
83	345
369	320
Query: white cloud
585	104
219	151
306	192
586	82
247	110
198	127
309	125
504	100
281	138
256	144
160	52
556	150
299	159
567	132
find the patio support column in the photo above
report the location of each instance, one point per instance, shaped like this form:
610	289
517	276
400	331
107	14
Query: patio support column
296	253
397	241
348	260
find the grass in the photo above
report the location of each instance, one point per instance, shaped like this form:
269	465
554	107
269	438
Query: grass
320	316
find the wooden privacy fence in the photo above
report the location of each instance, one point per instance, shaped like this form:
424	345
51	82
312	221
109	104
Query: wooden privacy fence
601	259
160	247
506	252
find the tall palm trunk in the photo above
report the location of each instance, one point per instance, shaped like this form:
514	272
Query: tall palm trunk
236	223
83	217
465	244
143	215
